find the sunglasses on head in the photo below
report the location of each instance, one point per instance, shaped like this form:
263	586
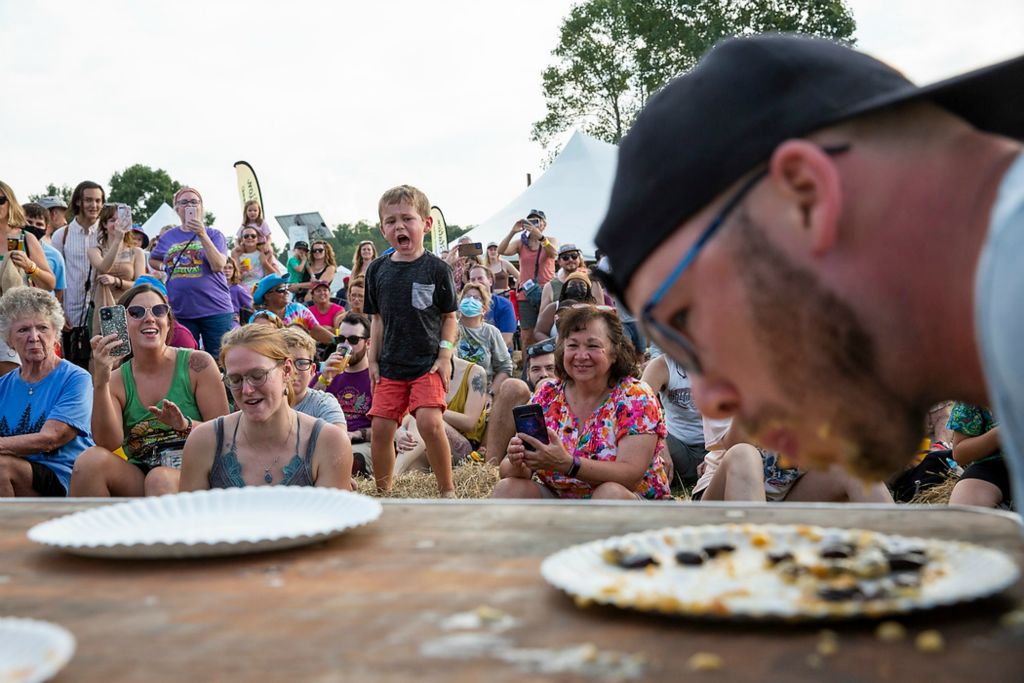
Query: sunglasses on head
352	339
540	349
139	312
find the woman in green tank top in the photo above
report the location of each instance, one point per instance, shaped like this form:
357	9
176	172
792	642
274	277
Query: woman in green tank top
143	411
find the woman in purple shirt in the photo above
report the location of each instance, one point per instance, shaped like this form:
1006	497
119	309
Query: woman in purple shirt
193	256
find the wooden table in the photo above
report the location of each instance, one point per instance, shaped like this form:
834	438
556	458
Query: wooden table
384	603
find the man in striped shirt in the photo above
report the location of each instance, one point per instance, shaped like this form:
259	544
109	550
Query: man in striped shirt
72	241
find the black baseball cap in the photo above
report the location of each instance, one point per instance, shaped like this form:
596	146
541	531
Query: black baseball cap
710	126
538	213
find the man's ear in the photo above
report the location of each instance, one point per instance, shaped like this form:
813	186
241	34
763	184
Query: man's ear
806	176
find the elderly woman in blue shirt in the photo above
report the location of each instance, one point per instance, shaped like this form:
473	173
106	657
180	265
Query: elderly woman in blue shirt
45	406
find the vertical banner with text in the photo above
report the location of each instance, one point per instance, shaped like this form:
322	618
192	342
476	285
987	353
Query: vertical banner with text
248	186
438	232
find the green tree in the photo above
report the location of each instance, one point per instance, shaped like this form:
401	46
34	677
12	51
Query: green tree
145	189
612	55
64	192
347	236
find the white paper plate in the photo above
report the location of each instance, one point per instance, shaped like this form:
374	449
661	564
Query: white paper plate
743	587
32	651
207	523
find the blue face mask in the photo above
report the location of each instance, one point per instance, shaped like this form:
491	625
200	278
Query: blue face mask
471	307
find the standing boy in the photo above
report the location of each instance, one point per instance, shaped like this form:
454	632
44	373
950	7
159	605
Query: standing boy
410	298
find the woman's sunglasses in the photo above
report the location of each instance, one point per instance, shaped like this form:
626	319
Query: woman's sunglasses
249	237
139	312
318	251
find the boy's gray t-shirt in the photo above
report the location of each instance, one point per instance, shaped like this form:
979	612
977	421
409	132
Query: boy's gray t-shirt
410	297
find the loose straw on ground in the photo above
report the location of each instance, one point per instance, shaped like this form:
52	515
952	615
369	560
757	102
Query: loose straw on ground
472	480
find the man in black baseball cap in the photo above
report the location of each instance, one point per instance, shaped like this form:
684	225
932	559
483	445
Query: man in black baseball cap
827	248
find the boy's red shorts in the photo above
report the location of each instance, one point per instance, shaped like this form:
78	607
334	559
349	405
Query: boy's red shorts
393	398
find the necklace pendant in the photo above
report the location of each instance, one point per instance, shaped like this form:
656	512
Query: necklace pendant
267	477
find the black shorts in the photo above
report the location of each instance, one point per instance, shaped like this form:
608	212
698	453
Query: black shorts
992	470
45	481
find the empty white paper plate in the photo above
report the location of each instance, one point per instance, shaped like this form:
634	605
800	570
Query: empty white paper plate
207	523
32	651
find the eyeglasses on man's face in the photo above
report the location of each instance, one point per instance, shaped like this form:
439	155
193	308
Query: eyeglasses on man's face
302	364
187	202
352	339
671	338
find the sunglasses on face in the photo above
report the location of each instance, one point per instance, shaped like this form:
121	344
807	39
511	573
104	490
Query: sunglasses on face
569	257
248	237
318	251
3	199
139	312
351	339
302	364
279	290
255	378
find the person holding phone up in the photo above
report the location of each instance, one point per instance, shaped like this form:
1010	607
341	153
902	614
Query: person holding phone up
193	257
147	407
114	259
605	429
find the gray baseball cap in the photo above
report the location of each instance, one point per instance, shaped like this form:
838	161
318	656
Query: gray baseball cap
51	202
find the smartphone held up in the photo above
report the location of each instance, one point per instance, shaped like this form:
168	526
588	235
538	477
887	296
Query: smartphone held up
113	320
529	420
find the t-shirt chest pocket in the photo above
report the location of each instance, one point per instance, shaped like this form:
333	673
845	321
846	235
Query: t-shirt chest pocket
422	296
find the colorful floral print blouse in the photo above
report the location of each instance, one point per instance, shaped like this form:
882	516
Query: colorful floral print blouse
631	408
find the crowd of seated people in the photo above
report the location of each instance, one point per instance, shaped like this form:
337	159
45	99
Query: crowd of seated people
239	371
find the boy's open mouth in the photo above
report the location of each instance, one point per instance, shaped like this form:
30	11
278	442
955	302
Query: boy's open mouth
403	240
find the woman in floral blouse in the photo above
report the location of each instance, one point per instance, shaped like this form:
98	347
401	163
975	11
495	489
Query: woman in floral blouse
606	431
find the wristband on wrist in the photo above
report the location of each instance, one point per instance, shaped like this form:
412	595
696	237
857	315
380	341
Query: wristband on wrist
574	469
188	427
445	344
322	381
34	268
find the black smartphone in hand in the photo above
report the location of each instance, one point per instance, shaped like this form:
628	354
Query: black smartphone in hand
529	419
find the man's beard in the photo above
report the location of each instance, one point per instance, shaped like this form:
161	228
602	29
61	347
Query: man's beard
356	357
824	361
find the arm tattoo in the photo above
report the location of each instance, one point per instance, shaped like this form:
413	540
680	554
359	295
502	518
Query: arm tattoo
198	361
477	383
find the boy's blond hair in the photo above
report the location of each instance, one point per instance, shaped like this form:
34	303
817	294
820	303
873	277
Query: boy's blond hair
297	340
404	193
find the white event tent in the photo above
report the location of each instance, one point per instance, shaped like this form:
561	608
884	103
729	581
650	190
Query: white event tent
165	215
573	193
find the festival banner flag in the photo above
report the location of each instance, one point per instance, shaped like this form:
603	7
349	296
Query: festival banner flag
438	232
248	186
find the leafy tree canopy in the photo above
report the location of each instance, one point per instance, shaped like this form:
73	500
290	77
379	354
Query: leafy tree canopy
64	192
613	55
346	237
145	189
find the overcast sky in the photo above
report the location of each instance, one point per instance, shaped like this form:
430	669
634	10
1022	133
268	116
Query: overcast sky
334	102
